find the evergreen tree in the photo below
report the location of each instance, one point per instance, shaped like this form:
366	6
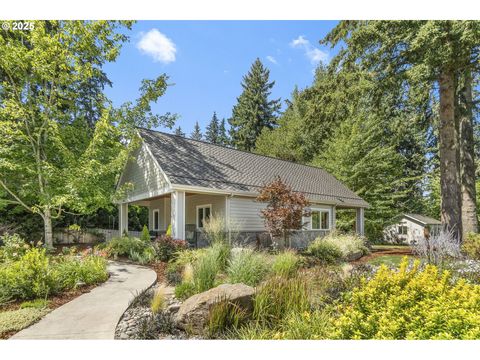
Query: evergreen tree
197	133
406	54
212	131
253	111
223	138
179	131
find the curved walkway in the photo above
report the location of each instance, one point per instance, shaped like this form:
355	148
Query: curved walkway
94	315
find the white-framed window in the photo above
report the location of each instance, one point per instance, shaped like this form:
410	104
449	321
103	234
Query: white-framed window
402	230
320	219
156	219
203	213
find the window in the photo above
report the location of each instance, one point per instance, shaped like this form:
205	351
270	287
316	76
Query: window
402	230
156	219
203	213
320	220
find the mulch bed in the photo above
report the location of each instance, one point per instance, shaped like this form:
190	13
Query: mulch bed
382	252
159	268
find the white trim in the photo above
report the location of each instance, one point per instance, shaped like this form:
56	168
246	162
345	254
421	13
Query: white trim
320	210
153	219
196	213
145	195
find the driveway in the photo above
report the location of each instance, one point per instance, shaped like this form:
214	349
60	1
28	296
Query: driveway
94	315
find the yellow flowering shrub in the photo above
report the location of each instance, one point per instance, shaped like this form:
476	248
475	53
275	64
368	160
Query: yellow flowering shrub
410	303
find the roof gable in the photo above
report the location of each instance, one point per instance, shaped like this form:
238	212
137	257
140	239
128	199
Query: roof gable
197	163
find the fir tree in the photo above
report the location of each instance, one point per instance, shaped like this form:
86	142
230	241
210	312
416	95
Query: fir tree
212	132
253	111
197	133
179	132
223	138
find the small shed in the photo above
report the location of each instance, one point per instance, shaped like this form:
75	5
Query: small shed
412	227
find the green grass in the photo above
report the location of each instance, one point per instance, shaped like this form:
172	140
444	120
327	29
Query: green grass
389	260
387	247
17	320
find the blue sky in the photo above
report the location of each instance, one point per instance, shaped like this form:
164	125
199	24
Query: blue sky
206	60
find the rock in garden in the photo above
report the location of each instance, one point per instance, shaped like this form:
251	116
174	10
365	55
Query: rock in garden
194	312
355	256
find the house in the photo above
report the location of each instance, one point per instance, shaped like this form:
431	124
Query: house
412	227
183	181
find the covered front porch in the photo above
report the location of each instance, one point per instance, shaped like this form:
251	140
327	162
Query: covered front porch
181	211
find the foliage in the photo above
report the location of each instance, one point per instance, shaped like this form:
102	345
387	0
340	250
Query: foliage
145	257
206	268
197	132
253	111
179	131
213	130
145	235
36	275
410	304
158	300
183	258
471	246
326	252
72	271
184	290
438	248
17	320
223	316
123	246
14	247
347	243
286	263
277	297
36	304
285	208
247	267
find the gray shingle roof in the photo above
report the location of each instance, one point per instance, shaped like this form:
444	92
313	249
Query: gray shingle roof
197	163
424	219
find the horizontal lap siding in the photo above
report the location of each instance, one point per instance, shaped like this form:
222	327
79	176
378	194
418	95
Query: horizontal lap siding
143	173
246	213
192	201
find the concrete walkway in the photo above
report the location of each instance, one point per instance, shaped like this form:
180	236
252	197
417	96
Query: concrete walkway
94	315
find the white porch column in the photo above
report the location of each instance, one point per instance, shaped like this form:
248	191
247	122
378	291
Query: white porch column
123	218
360	222
178	214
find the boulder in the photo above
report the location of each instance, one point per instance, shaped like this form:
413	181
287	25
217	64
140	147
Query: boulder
355	256
194	312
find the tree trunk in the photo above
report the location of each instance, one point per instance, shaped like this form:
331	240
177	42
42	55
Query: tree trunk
467	157
47	219
449	156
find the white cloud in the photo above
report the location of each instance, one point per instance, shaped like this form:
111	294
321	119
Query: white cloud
272	59
158	46
314	54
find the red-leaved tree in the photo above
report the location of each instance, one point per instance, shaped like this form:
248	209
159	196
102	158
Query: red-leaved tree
285	209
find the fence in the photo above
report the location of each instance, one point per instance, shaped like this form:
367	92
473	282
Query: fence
87	236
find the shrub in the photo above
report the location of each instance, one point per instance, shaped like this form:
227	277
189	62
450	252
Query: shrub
184	290
27	278
304	326
145	235
471	246
158	300
324	251
277	297
205	271
19	319
14	247
181	259
167	247
286	264
145	257
71	272
224	315
438	249
247	267
348	244
410	304
123	246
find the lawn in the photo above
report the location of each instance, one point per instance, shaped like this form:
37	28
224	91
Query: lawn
389	260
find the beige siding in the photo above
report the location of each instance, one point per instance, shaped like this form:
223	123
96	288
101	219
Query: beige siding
245	212
163	206
144	174
192	201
